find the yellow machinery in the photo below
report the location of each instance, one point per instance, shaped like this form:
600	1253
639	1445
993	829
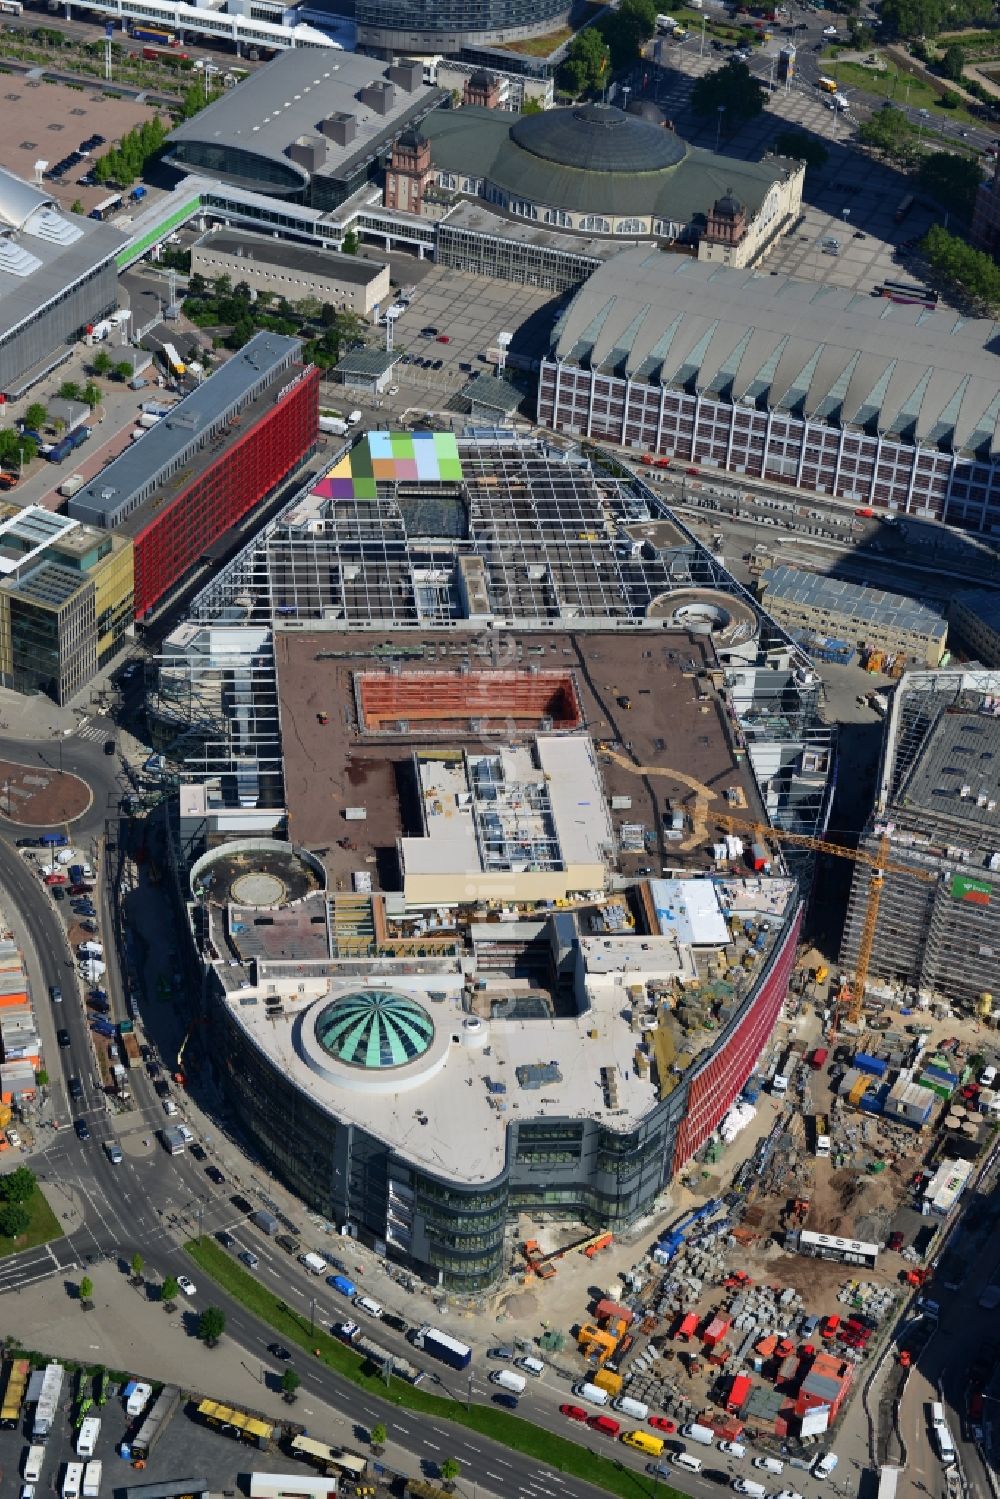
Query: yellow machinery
852	992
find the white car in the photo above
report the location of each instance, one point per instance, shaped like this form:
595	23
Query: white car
788	1494
735	1449
987	1077
13	1139
169	1107
829	31
187	1286
824	1466
769	1464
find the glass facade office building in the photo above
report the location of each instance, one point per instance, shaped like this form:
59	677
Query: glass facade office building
450	25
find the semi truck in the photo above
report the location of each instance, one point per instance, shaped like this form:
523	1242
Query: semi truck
378	1355
173	360
821	1135
155	1423
448	1349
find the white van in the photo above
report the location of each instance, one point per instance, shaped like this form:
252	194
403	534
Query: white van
769	1464
138	1399
353	418
314	1263
630	1407
592	1393
532	1366
937	1413
945	1444
366	1304
748	1487
508	1380
686	1460
33	1464
703	1434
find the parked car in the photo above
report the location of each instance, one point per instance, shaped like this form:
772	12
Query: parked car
214	1175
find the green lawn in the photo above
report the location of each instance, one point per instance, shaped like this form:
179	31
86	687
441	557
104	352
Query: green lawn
892	84
44	1226
512	1431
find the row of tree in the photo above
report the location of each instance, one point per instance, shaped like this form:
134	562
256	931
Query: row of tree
127	161
923	18
967	272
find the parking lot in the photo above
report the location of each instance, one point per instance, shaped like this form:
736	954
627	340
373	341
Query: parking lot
43	121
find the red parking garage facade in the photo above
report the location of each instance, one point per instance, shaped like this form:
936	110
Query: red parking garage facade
718	1083
244	473
208	463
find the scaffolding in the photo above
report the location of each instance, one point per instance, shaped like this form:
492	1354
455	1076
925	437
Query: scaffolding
536	535
939	802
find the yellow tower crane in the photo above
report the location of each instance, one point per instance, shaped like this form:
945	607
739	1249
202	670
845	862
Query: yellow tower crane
852	991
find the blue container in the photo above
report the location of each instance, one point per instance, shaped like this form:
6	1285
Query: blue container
873	1065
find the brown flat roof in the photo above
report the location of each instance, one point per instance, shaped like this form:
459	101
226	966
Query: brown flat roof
674	721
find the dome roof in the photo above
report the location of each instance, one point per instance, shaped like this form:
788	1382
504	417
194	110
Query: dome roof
646	109
598	138
19	200
374	1029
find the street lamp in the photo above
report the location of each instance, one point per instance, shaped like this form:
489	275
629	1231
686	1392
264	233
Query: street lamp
718	126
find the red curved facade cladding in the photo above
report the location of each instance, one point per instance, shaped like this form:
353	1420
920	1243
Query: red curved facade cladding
246	470
715	1088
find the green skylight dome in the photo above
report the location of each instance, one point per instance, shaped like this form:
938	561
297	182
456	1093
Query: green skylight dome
375	1029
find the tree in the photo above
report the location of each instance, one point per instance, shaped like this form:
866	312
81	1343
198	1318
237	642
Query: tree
290	1382
890	132
378	1436
953	62
625	29
86	1292
970	273
123	370
14	1220
531	106
949	99
732	88
69	390
42	1078
169	1291
76	206
349	244
587	62
36	416
801	147
211	1325
953	180
102	363
18	1186
137	1264
92	394
450	1470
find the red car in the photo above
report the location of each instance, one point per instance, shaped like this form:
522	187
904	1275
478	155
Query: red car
443	338
80	889
896	1241
55	879
574	1412
661	1423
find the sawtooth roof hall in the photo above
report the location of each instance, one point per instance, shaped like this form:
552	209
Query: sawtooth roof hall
816	387
782	345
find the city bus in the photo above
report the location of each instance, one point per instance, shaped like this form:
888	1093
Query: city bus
828	85
328	1460
14	1393
901	291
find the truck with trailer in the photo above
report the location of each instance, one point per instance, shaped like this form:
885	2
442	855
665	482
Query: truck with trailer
379	1356
821	1135
156	1422
68	444
448	1349
173	360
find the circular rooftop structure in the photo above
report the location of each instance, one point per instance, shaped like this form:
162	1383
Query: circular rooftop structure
374	1029
598	138
706	611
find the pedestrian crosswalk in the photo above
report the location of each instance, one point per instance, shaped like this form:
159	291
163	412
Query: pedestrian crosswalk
96	732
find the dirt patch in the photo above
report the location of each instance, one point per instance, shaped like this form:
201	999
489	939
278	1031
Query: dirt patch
34	796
